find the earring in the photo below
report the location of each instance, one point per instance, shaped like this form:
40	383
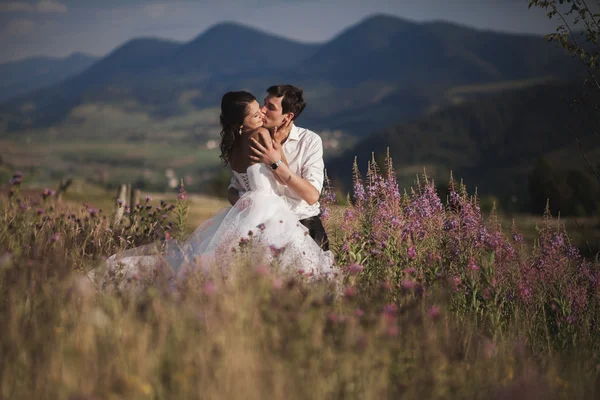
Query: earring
241	127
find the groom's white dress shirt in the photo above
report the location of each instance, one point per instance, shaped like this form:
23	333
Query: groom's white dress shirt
304	153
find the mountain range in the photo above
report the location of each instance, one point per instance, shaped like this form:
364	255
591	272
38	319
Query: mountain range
382	70
25	76
440	96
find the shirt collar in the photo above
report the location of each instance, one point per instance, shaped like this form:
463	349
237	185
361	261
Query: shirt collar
294	133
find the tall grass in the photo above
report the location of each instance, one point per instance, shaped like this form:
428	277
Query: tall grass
436	303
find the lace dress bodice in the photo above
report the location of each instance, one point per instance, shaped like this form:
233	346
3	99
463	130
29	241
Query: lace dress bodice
258	178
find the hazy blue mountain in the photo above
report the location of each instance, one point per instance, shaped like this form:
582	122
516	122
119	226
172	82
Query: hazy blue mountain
381	70
24	76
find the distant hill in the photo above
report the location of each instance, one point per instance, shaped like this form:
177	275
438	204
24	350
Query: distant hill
24	76
381	70
492	143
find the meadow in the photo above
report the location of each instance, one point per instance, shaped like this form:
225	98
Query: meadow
436	300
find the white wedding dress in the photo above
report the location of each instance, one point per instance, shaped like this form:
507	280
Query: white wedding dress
259	228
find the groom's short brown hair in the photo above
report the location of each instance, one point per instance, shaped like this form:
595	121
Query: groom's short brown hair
293	100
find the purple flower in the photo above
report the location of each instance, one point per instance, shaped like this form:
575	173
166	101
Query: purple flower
275	251
355	269
408	284
412	253
434	312
473	266
261	227
148	199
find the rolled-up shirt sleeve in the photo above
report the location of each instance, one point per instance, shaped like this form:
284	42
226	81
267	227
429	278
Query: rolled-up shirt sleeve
236	184
313	165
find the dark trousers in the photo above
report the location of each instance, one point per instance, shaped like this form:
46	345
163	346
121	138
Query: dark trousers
316	231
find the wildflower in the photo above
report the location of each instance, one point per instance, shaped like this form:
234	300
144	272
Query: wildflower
434	312
47	193
164	216
473	266
350	291
525	292
277	283
93	212
148	199
120	202
456	282
517	238
408	284
261	227
359	312
15	180
412	253
275	251
55	238
209	288
40	211
262	270
355	269
390	309
392	330
250	233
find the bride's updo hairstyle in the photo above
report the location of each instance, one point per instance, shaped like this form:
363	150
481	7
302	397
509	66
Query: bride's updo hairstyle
234	108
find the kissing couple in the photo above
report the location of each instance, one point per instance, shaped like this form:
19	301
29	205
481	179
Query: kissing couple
274	218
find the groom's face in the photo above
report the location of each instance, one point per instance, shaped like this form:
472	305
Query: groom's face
273	112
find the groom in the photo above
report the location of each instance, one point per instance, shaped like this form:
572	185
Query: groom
296	157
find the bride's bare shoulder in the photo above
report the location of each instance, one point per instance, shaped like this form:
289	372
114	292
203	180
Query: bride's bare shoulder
259	133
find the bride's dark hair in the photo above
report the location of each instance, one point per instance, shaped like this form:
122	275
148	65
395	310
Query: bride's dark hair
234	108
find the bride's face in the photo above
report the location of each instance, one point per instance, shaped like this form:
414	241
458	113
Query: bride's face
254	118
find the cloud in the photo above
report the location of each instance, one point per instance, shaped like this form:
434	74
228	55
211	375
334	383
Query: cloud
19	27
156	10
42	6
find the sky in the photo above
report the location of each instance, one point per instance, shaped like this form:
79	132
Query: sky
60	27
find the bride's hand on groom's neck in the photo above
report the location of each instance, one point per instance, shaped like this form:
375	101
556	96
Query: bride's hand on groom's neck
281	133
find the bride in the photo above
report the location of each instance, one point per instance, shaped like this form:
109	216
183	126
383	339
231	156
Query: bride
260	225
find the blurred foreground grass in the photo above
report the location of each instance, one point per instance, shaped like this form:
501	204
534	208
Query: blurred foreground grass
256	334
